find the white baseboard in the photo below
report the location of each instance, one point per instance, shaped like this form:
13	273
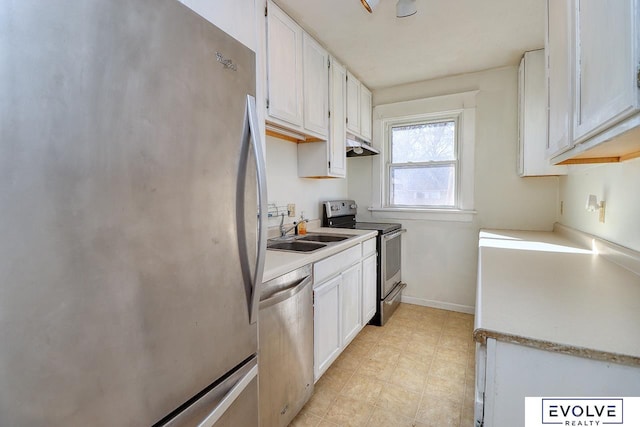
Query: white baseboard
439	304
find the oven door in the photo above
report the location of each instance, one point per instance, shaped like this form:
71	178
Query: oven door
391	250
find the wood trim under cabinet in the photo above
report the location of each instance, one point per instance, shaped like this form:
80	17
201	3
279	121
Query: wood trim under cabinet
589	160
284	134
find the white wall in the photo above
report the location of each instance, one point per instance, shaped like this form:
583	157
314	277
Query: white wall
236	17
617	184
440	257
283	184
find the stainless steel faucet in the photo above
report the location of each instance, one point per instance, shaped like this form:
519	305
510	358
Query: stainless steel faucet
284	231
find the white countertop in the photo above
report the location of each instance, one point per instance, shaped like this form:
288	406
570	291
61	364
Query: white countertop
278	263
544	290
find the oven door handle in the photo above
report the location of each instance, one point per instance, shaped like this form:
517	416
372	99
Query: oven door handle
394	234
390	299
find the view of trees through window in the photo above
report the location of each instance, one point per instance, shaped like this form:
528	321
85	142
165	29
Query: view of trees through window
423	164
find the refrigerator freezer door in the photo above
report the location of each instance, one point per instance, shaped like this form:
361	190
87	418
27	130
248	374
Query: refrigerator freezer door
124	291
232	403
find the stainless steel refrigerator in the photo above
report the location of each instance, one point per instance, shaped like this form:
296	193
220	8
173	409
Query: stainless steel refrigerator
131	245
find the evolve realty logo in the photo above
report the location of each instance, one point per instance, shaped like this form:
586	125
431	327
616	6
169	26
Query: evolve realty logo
582	412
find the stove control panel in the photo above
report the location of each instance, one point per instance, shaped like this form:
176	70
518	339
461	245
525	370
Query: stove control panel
337	208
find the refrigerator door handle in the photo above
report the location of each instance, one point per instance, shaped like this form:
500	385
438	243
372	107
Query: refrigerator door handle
256	142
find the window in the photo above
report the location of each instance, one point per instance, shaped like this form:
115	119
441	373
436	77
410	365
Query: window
425	168
423	165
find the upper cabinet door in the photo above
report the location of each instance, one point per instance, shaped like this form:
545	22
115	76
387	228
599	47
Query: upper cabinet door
365	113
284	67
606	88
353	104
532	112
559	75
316	87
337	139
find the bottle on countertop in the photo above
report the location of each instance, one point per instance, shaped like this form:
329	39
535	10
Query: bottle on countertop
302	224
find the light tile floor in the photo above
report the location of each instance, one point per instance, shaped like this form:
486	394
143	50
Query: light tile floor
417	370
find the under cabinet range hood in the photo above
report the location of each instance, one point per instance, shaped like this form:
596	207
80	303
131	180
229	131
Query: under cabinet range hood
357	148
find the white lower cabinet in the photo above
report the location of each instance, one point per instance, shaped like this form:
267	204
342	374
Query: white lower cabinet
506	373
369	265
351	301
326	325
341	305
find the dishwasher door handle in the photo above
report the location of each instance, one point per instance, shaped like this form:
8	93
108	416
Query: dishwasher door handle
286	293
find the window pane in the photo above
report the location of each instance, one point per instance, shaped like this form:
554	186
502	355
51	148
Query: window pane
423	142
423	186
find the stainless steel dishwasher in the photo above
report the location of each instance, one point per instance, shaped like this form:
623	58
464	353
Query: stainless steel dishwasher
285	347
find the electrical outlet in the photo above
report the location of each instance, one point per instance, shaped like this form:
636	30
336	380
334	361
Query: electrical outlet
291	208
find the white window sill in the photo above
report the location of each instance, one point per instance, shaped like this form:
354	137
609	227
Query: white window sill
453	215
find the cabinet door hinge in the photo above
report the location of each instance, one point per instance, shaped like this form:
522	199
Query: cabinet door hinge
328	62
638	77
266	10
267	103
329	113
347	120
329	164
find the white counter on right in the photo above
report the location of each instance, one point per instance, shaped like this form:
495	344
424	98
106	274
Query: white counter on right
544	290
555	317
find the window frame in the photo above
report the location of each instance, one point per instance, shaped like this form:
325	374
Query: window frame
425	119
462	105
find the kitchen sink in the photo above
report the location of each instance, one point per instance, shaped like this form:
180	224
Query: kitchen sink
328	238
295	246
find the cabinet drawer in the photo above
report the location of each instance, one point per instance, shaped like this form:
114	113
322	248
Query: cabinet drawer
368	247
336	263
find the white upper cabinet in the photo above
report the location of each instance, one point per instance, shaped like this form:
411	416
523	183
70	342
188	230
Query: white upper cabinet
358	109
338	128
316	87
365	113
593	87
532	114
284	68
328	159
297	80
606	84
353	104
559	75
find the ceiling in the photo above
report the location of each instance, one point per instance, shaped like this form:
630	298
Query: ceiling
445	37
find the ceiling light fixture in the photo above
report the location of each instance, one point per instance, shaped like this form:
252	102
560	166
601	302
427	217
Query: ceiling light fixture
370	4
405	8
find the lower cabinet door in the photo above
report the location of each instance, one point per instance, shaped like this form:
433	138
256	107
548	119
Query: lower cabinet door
351	303
368	288
326	325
